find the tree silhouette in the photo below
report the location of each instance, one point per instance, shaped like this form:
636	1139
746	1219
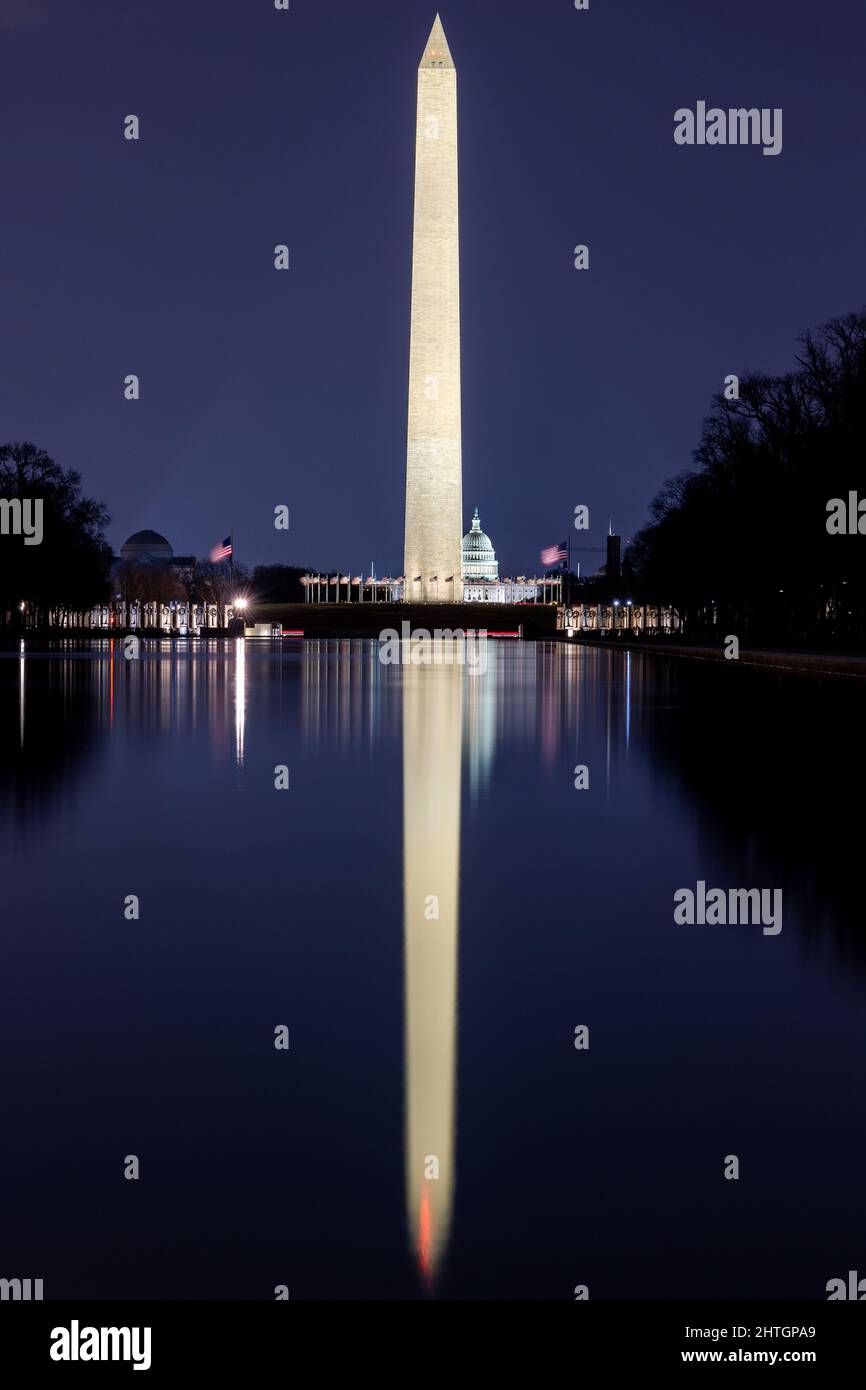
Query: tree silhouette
219	583
70	568
745	531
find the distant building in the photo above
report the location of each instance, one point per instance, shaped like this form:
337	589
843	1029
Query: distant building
146	545
613	567
479	573
479	557
508	591
480	570
151	589
150	548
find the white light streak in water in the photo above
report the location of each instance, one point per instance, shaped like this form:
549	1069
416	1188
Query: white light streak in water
627	697
240	699
21	695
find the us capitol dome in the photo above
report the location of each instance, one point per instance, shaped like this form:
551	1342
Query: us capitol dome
479	557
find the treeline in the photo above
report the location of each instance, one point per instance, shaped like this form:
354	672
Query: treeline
744	534
147	581
277	584
69	566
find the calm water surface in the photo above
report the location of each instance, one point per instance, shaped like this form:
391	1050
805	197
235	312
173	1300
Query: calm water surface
415	1037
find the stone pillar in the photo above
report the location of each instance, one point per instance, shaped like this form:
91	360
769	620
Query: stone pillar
434	496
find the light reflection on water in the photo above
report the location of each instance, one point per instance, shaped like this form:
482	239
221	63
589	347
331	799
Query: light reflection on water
412	786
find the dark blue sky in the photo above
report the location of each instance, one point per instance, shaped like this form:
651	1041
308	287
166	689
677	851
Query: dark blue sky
259	127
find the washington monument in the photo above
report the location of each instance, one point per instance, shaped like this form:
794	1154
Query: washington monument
434	482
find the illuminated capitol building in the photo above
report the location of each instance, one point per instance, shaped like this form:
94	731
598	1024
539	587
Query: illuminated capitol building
479	575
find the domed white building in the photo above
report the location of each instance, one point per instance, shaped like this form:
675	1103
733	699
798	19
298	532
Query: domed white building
481	582
479	557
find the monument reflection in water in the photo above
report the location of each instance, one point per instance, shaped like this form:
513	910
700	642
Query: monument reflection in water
432	742
334	1169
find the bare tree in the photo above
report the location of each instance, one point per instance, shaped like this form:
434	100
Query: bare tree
219	584
148	581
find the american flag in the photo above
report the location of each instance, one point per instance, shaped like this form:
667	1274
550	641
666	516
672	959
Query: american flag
555	554
223	551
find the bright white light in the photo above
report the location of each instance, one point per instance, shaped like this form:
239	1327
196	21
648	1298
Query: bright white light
240	699
240	603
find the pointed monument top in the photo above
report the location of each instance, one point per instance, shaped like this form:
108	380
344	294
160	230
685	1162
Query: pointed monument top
437	54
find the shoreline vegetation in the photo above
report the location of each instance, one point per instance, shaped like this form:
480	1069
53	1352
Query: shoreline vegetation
750	537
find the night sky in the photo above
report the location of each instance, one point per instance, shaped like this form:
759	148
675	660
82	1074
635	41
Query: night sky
260	127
